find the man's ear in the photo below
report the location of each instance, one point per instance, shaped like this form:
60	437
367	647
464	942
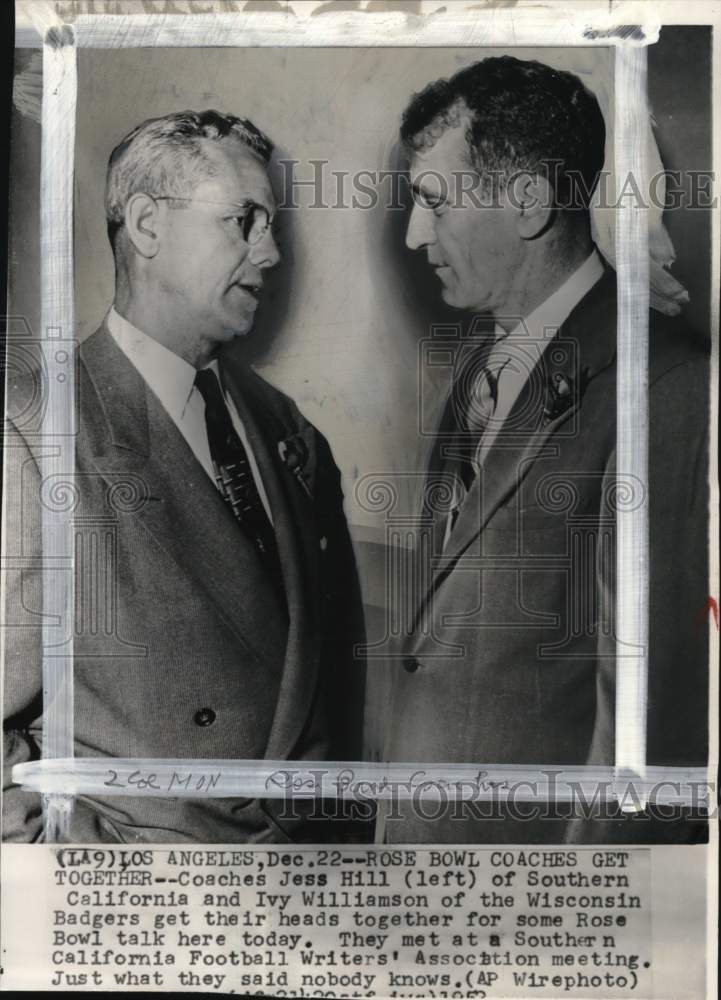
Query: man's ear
141	223
532	197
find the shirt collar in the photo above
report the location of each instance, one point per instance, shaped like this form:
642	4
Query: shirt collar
169	376
556	309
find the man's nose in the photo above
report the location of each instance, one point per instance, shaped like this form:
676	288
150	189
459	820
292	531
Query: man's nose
421	230
265	252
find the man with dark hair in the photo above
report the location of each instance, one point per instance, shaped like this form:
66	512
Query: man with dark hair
513	656
517	117
230	606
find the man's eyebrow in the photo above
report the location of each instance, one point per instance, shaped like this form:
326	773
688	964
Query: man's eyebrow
251	203
246	203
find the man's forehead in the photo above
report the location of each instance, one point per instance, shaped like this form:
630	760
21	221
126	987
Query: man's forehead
447	155
238	173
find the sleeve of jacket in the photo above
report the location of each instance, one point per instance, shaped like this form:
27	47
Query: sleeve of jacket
677	655
21	633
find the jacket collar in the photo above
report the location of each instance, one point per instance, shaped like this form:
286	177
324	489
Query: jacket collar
584	346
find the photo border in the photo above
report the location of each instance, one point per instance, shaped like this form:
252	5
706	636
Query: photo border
59	775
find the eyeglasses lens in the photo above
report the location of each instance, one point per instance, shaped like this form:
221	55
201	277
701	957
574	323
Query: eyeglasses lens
256	224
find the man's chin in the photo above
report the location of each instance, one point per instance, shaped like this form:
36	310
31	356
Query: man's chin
450	299
463	303
238	329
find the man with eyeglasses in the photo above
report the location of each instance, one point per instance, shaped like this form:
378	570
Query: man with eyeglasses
232	578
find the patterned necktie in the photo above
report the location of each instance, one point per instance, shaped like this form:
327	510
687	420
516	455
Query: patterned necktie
471	405
474	406
234	475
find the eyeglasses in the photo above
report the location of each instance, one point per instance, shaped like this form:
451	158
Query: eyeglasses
255	220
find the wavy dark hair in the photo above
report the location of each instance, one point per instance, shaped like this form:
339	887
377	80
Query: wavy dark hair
519	116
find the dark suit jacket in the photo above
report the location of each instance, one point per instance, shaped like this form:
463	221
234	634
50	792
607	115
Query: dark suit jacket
186	619
519	665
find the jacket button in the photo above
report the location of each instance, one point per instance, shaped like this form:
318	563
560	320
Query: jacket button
410	664
204	717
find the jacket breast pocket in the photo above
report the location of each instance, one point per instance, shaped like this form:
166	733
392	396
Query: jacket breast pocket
541	529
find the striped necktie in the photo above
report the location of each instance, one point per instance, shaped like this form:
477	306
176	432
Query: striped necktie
470	406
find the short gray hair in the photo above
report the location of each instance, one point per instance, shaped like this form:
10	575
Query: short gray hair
164	156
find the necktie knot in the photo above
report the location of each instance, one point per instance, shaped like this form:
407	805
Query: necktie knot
220	429
472	405
475	397
207	384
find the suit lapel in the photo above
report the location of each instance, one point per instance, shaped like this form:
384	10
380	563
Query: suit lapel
504	470
552	396
181	507
293	516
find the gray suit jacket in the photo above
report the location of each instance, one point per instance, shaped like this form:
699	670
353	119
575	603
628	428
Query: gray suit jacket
185	650
518	663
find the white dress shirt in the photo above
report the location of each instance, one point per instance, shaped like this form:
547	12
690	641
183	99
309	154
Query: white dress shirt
172	380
